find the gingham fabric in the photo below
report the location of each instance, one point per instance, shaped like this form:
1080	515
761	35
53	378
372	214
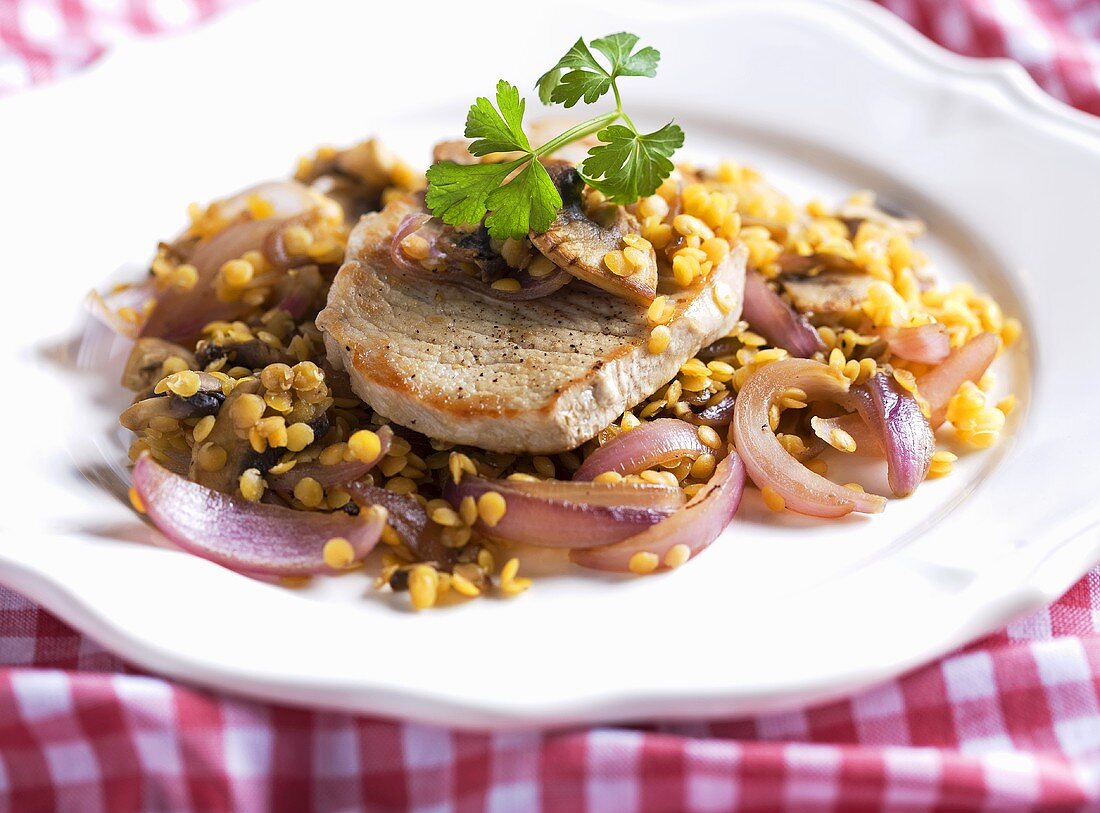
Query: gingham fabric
1010	723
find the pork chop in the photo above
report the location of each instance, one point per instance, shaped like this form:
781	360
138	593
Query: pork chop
538	376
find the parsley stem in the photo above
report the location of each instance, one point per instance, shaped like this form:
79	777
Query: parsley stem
619	106
576	133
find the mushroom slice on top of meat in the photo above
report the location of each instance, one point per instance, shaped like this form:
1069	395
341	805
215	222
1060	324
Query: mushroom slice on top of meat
578	243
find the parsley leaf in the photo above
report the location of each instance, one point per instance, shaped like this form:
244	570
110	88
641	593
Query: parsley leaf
618	47
497	130
458	193
577	60
629	165
579	75
528	202
577	85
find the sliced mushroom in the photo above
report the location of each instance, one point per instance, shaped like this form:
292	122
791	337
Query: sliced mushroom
143	367
814	263
355	177
138	416
854	215
578	244
828	293
777	229
253	354
455	151
239	455
207	401
472	248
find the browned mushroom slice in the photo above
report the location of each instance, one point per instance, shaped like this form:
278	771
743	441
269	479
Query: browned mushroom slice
140	415
854	215
357	176
455	151
777	229
252	354
812	263
239	454
829	292
146	362
578	244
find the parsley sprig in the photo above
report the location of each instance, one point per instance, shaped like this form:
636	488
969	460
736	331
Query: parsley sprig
518	195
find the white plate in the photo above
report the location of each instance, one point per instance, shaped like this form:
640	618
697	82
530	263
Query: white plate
824	97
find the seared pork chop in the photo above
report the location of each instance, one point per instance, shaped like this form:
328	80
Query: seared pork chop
541	376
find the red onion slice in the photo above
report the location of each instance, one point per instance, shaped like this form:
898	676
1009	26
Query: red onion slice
429	228
336	474
894	416
966	363
578	515
413	224
775	320
769	464
181	314
286	198
926	344
696	525
637	495
300	290
247	536
409	520
105	307
868	444
274	245
644	447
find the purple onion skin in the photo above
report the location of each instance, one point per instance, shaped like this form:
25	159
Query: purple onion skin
241	535
895	416
643	447
775	320
555	523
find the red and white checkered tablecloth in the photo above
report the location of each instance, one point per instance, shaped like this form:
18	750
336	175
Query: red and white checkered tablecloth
1010	723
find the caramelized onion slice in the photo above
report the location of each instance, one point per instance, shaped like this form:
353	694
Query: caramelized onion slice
776	321
563	514
179	313
966	363
643	447
868	444
769	464
901	430
695	525
409	520
926	344
247	536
